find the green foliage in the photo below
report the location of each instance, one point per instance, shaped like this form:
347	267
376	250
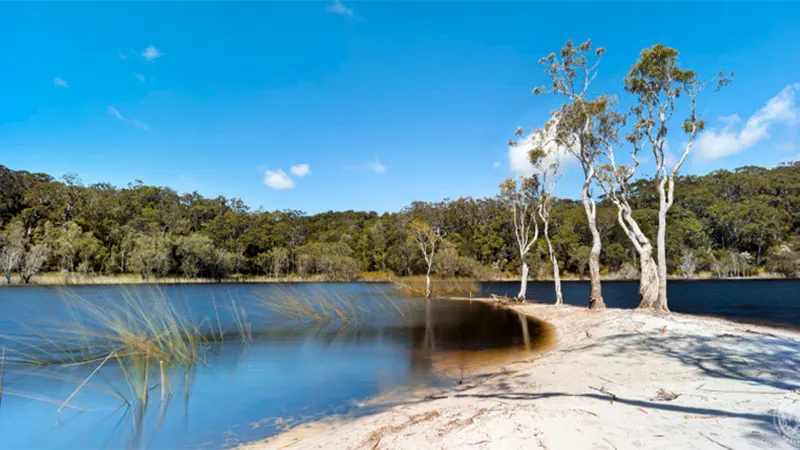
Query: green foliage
154	231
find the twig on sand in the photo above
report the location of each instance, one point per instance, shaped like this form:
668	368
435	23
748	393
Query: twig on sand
665	396
725	391
604	391
716	442
610	443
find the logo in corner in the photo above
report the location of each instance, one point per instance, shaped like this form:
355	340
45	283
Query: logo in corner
787	420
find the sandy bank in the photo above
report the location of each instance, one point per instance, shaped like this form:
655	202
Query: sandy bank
617	379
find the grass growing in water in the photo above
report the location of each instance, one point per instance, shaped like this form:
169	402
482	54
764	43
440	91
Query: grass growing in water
331	306
414	286
136	331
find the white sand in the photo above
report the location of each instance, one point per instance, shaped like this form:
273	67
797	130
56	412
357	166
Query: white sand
606	384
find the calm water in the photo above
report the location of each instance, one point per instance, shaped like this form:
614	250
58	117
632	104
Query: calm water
292	371
771	301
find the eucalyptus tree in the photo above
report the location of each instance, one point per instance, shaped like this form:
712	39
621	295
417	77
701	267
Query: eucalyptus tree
32	262
547	163
659	85
426	237
580	124
521	198
12	249
616	180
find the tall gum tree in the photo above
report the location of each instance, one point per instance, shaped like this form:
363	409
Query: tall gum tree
579	130
659	85
615	179
520	197
548	164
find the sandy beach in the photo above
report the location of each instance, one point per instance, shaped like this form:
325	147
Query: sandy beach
613	379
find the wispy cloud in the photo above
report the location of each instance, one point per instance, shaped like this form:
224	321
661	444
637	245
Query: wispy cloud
115	112
375	166
140	77
734	138
141	125
135	122
337	7
278	179
300	170
59	82
151	53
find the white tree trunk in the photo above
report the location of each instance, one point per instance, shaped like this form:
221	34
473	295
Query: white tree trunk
554	261
523	284
596	293
649	280
428	284
664	205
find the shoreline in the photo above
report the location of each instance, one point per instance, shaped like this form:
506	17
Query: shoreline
613	379
64	280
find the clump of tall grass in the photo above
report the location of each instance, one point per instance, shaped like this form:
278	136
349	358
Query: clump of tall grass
137	332
414	286
332	306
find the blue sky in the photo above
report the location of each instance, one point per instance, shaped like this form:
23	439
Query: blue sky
375	104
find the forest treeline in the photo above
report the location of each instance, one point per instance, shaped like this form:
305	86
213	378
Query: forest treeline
726	223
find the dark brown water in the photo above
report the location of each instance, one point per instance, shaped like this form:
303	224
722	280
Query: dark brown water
292	371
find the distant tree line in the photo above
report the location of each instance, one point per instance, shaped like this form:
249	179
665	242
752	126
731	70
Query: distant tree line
726	224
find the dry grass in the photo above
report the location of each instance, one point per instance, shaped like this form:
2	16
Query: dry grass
331	306
414	286
137	332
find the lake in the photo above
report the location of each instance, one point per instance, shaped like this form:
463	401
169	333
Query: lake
269	372
757	301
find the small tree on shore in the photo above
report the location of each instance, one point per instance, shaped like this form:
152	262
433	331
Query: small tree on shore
13	249
278	261
426	237
658	84
547	164
520	197
688	264
32	262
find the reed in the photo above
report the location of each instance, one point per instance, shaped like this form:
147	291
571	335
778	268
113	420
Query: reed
137	332
414	286
332	306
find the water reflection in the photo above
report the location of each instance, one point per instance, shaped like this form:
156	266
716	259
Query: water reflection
289	372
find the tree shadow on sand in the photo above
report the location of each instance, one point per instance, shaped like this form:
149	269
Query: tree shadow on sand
758	359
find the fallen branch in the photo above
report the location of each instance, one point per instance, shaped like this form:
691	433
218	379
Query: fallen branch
604	391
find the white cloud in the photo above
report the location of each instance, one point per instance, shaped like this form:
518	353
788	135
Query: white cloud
496	164
278	180
300	170
151	53
140	77
719	143
376	166
115	112
59	82
337	7
520	163
141	125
